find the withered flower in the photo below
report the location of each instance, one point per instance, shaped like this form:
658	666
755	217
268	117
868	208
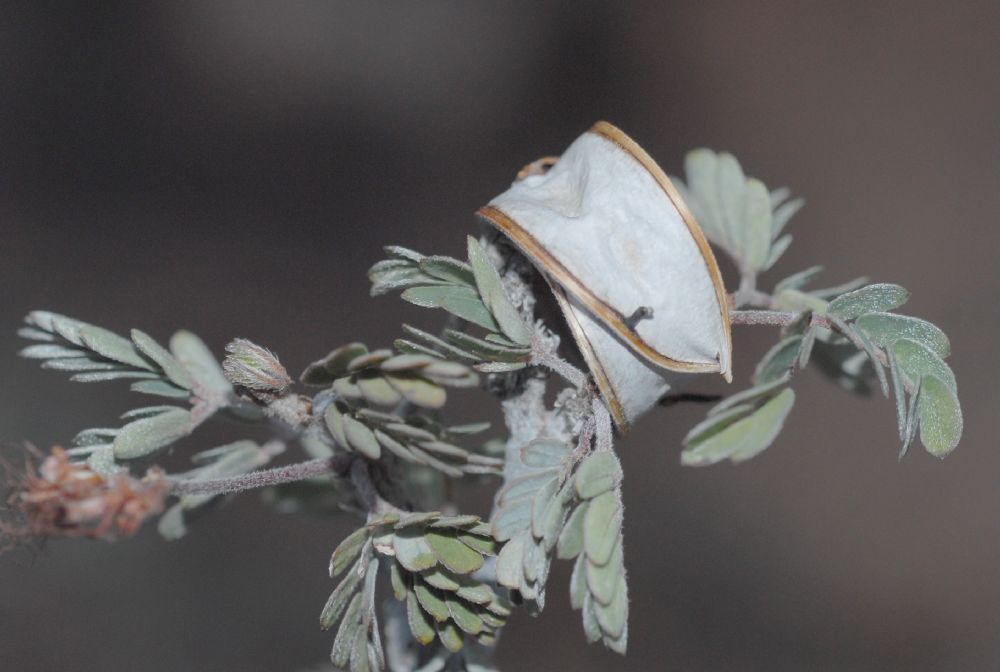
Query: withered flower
69	499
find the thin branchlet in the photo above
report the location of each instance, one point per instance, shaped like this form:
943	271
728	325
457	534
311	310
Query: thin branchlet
289	473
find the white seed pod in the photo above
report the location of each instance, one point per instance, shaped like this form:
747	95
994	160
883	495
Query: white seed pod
631	269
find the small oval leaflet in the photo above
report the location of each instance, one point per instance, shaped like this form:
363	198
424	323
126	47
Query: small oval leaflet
628	264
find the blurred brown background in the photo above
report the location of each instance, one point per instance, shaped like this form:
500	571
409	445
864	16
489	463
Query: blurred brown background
234	168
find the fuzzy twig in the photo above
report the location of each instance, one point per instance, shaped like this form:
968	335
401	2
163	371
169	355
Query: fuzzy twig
775	318
560	366
288	473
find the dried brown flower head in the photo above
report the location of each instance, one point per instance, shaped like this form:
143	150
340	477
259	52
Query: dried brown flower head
69	499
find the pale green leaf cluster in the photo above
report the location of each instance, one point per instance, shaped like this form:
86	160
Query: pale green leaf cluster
576	514
854	338
432	560
361	382
186	372
740	427
737	213
471	291
528	514
593	534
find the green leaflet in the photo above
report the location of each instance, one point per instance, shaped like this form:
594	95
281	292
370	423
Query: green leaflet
493	295
603	580
456	522
756	224
512	518
461	301
173	370
737	213
145	436
539	505
377	390
450	637
940	416
420	623
783	211
160	388
441	579
145	412
751	395
418	391
477	593
102	376
600	527
334	419
464	617
452	553
614	616
777	361
743	439
798	280
339	600
333	366
714	424
343	643
482	545
570	541
348	551
194	355
51	351
412	550
361	439
553	519
545	453
112	346
916	360
591	626
899	394
523	486
398	363
439	347
416	518
509	563
578	590
884	329
446	268
778	248
369	359
878	298
431	602
99	436
486	350
597	474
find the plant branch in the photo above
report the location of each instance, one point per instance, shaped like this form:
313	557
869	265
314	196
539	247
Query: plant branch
775	318
559	366
289	473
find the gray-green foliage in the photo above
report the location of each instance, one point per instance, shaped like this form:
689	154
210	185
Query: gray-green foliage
361	383
470	291
737	213
852	338
94	354
849	331
432	562
573	511
454	578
